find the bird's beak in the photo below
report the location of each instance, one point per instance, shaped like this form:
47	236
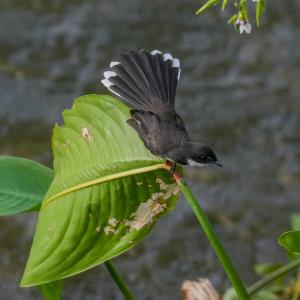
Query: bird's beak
218	163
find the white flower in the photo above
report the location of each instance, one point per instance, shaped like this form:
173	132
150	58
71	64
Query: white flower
246	27
243	26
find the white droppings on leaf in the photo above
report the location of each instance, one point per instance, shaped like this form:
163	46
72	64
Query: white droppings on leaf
155	205
126	238
156	196
162	184
66	144
110	228
145	213
170	189
62	145
113	222
86	134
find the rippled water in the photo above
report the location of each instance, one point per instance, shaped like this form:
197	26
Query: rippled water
240	94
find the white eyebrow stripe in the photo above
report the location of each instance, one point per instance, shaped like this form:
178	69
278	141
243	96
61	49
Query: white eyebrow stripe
108	74
114	63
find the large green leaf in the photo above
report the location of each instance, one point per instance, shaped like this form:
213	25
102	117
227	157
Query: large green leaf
23	184
290	240
107	192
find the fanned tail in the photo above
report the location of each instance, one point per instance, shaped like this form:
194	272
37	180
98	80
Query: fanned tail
144	80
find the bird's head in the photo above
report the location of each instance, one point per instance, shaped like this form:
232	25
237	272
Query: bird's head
201	155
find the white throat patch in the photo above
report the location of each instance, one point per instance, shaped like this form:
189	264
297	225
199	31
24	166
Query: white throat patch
193	163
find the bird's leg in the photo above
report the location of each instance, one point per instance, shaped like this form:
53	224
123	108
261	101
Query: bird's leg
173	168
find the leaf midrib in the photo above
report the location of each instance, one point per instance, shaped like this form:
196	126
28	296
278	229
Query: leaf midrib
105	179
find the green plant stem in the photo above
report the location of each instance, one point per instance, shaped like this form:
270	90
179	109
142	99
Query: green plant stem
214	241
273	276
119	281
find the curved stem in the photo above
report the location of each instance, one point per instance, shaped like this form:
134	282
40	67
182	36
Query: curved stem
119	281
273	276
214	241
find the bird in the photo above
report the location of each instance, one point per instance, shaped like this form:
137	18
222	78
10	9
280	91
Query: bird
147	82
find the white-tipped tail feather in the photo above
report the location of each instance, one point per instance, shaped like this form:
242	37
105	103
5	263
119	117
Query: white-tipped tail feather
167	56
108	84
153	52
108	74
143	78
114	63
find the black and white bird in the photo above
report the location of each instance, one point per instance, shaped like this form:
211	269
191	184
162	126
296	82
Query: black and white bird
147	83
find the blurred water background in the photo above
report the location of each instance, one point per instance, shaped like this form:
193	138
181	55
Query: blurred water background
238	93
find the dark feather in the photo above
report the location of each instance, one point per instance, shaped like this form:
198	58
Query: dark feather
144	81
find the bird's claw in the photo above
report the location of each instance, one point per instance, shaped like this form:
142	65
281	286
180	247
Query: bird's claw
173	169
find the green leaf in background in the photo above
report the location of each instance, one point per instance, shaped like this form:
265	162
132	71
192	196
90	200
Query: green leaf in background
107	193
23	184
52	290
260	7
269	293
224	4
207	5
233	19
244	9
295	221
266	268
290	240
295	226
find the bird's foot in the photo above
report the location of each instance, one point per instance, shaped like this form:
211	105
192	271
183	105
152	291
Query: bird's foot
173	169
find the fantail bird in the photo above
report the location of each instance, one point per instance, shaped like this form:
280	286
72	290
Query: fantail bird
147	82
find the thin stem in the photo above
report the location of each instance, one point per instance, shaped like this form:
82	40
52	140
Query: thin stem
119	281
214	241
273	276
